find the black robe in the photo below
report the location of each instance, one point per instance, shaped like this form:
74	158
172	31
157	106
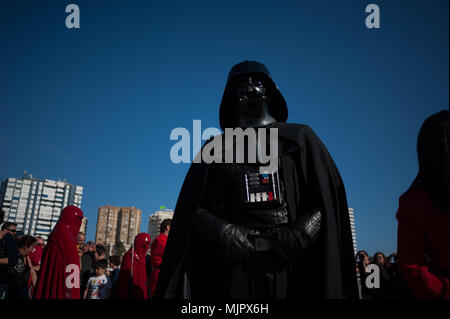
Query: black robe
309	175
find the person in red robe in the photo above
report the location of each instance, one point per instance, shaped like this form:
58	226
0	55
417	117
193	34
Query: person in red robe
157	252
35	258
36	253
59	276
423	215
132	282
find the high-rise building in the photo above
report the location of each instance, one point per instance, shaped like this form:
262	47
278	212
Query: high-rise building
155	220
107	218
35	204
353	228
116	224
83	226
128	225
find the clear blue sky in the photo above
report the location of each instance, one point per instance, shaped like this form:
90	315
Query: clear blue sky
96	105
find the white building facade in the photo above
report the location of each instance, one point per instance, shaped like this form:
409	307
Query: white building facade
155	220
353	228
35	204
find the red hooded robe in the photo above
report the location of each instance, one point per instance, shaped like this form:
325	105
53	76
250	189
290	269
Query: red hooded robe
157	252
35	258
133	284
423	230
60	265
36	255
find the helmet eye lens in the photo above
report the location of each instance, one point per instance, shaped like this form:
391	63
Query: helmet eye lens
250	89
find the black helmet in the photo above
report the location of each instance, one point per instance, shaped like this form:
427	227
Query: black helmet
276	106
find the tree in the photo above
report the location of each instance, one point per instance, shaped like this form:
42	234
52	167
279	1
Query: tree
120	249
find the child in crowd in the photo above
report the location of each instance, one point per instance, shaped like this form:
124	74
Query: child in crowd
114	263
99	286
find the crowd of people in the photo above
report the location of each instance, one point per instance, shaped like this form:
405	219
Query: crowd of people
29	269
386	282
99	274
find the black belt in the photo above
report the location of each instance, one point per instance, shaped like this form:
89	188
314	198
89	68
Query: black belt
263	244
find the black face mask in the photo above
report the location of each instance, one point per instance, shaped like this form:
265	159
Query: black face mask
252	98
251	89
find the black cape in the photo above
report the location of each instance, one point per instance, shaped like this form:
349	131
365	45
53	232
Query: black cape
329	269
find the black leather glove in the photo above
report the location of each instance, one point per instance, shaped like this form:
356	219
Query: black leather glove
228	239
292	240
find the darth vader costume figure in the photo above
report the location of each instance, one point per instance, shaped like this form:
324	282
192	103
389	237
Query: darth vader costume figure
239	232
